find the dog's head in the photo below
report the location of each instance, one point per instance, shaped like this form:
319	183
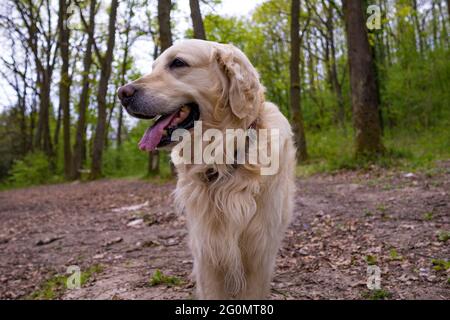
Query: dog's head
195	80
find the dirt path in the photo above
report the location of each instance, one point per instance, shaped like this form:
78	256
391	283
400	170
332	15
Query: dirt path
121	231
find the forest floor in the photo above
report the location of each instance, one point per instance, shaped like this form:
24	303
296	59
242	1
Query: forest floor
120	232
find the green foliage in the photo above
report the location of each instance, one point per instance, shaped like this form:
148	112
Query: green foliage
367	213
413	87
443	236
379	294
393	254
413	73
32	170
416	92
55	287
128	161
440	264
11	141
264	38
90	272
50	289
428	216
159	278
227	30
124	161
331	150
371	260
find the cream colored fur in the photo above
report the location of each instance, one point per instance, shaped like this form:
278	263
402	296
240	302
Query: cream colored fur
237	220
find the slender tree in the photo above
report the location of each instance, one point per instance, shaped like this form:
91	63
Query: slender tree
17	78
448	9
79	147
197	21
40	38
333	74
362	81
65	81
105	73
297	116
123	71
57	126
165	30
165	41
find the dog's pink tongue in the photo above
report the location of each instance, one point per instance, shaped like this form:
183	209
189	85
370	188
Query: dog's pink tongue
153	135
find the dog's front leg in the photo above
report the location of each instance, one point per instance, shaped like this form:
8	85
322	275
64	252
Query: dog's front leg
209	280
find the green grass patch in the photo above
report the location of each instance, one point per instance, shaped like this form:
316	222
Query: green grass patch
382	208
379	294
440	264
367	213
50	289
428	216
89	273
55	287
331	150
371	260
394	256
160	278
33	169
443	236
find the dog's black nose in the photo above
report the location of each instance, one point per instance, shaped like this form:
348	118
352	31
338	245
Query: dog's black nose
125	93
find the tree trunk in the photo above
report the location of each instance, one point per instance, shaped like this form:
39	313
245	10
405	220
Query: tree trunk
362	82
23	120
79	148
386	34
434	24
32	124
124	70
444	34
297	116
165	40
44	63
57	128
110	113
336	86
197	21
65	82
106	61
376	72
43	139
153	163
165	31
418	26
312	79
448	8
119	128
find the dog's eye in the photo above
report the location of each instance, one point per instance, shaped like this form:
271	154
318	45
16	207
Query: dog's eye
178	63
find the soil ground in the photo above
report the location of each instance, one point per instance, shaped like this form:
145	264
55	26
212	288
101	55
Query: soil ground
127	229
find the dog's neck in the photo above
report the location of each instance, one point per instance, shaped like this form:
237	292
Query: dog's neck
211	174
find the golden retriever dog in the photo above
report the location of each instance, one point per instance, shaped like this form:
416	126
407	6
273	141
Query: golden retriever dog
236	215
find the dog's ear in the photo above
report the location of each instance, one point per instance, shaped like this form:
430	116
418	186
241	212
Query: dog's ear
242	90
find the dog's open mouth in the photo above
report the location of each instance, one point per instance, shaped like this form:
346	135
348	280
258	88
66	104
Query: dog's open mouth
159	134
